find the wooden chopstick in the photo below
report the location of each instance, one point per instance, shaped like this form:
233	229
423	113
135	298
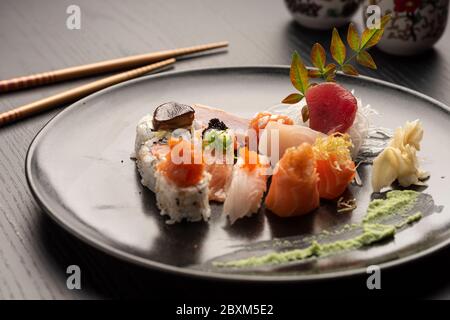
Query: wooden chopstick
101	67
77	93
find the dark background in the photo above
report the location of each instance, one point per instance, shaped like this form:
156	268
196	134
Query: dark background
34	252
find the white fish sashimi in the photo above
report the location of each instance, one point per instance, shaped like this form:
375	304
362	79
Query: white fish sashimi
245	191
288	136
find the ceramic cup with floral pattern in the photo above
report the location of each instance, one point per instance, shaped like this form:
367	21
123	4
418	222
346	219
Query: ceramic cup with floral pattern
322	14
416	25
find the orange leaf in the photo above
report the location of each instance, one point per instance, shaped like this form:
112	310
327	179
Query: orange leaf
353	37
318	56
314	73
350	70
305	113
292	98
364	58
299	73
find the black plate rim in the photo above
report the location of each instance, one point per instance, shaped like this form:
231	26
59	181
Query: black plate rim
63	220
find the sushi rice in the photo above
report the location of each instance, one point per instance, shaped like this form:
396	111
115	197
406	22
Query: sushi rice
190	203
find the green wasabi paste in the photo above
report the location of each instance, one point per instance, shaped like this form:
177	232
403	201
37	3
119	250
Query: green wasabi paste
409	220
372	233
397	202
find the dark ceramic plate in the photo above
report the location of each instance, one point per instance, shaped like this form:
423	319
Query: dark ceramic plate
80	172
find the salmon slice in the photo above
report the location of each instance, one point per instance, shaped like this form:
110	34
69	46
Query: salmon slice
333	180
220	176
334	165
182	173
294	188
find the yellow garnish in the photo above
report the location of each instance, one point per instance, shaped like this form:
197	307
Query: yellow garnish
336	146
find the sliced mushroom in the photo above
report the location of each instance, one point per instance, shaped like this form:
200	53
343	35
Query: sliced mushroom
173	115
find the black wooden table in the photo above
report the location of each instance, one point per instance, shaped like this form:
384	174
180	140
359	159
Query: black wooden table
34	252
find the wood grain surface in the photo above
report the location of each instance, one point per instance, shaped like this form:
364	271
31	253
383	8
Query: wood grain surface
34	252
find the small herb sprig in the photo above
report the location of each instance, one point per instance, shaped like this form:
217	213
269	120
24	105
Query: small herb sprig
359	44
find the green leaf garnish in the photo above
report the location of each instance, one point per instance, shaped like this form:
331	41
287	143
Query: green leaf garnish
359	44
370	37
338	50
299	74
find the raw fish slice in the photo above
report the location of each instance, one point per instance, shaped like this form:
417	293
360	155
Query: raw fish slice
220	173
294	187
332	108
334	165
205	113
333	182
261	119
288	136
247	187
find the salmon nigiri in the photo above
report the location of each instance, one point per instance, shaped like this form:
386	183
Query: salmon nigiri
247	187
294	188
334	165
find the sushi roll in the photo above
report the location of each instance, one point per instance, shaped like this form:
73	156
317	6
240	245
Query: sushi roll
247	186
181	184
154	130
147	157
152	134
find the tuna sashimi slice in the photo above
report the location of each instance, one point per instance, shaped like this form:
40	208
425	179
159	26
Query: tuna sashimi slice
332	108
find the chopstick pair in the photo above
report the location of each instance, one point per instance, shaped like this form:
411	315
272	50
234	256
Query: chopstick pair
158	60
